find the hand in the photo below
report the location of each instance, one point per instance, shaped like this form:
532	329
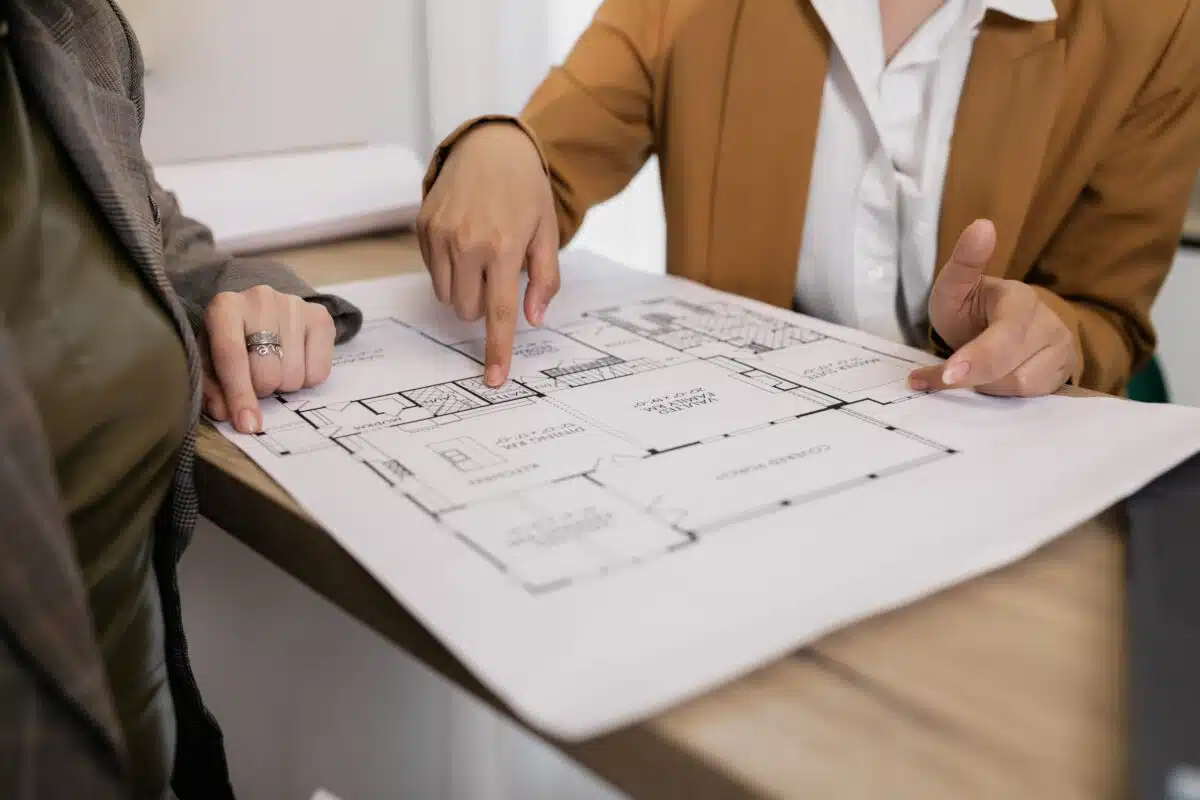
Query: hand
235	377
489	215
1006	340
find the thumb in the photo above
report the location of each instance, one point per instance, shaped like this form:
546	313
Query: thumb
955	307
212	398
956	284
544	279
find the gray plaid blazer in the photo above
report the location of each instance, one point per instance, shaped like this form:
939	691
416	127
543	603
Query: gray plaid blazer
59	736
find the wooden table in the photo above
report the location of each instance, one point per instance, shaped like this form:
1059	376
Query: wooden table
1008	686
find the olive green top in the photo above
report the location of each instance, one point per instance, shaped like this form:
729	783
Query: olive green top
110	377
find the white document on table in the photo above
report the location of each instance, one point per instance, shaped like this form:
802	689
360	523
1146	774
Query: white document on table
676	486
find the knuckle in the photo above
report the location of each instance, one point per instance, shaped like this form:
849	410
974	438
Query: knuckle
221	303
438	228
263	384
1022	383
462	239
1021	291
292	380
1061	334
502	313
317	374
322	320
261	294
465	309
500	243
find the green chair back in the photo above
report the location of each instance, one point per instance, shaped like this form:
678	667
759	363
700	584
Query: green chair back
1149	385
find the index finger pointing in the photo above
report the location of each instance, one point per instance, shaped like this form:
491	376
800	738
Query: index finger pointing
230	362
993	354
503	285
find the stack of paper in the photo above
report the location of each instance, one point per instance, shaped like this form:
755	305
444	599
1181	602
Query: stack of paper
286	200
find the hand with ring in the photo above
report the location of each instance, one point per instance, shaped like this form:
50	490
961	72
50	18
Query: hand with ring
260	342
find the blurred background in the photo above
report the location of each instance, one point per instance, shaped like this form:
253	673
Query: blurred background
323	701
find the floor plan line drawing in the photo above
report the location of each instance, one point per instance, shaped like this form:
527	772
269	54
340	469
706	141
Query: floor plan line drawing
623	434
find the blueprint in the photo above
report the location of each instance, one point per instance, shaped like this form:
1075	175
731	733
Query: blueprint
675	485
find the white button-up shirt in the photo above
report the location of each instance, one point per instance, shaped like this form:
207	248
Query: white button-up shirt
883	141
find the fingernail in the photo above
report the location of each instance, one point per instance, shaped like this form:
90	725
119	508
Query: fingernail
248	422
955	373
537	310
492	377
918	384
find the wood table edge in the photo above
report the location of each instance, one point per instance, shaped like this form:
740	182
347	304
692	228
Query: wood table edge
632	758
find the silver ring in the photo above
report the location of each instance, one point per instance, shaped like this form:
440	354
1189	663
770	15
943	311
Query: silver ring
265	343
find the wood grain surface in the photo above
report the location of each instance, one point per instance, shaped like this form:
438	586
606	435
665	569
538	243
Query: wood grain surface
1008	686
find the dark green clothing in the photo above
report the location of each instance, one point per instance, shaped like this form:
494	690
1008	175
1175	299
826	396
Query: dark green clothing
109	375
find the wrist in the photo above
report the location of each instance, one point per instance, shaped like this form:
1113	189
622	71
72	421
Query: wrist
467	130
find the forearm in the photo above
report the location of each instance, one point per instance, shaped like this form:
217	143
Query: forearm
199	270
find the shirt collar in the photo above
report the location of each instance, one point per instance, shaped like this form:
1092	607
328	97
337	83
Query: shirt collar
1026	10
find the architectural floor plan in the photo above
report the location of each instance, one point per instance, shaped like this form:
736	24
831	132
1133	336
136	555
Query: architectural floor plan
622	435
675	485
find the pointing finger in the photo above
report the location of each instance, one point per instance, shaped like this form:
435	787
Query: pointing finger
231	362
503	285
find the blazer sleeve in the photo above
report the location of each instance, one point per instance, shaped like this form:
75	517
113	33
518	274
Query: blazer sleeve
1105	266
592	118
199	271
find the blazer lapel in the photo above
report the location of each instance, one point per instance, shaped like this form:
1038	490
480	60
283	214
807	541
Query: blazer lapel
99	127
773	97
43	606
1008	105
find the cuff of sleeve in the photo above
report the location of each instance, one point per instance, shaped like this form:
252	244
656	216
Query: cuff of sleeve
938	345
347	318
1067	313
246	273
443	150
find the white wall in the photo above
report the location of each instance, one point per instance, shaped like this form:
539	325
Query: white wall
230	77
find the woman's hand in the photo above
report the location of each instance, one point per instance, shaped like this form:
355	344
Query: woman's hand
488	218
1006	340
239	371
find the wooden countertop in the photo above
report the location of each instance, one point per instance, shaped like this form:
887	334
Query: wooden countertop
1008	686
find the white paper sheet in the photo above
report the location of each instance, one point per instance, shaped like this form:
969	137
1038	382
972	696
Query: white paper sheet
290	199
677	485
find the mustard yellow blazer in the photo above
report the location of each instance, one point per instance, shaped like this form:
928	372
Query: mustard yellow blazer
1079	138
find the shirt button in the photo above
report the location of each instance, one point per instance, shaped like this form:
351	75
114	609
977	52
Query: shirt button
875	273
